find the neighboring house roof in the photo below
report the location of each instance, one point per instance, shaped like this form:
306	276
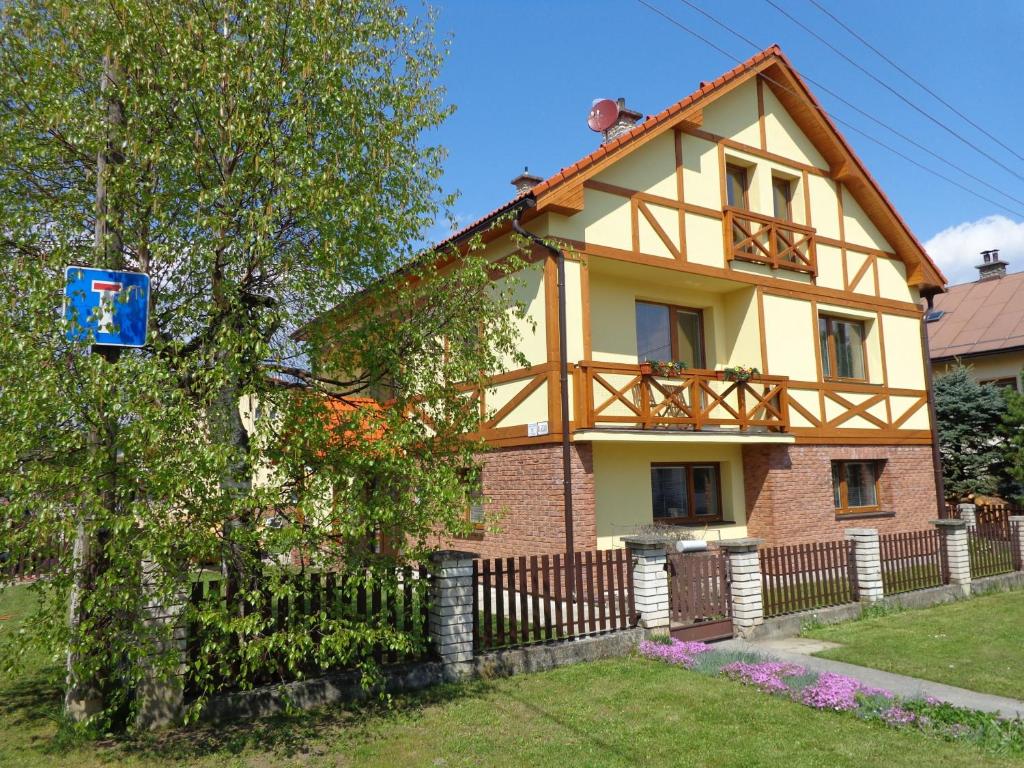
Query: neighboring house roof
985	316
803	107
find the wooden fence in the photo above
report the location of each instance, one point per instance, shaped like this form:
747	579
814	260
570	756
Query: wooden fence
22	566
994	548
913	560
325	597
802	577
524	600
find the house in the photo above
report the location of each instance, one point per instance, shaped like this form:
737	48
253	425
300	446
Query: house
981	325
734	230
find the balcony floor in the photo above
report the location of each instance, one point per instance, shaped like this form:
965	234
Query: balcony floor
726	437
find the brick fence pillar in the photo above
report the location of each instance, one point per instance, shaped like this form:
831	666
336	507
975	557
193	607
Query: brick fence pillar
968	513
745	579
450	619
867	563
1017	539
958	554
650	580
160	692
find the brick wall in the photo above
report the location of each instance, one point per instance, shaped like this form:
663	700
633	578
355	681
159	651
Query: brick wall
523	486
789	499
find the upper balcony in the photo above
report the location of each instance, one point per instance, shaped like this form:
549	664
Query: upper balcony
640	397
777	243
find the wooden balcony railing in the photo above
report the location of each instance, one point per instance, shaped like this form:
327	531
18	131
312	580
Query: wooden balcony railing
626	396
761	239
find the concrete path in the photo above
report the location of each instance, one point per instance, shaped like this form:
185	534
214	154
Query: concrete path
797	650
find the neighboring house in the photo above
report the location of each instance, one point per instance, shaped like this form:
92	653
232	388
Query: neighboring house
981	325
735	228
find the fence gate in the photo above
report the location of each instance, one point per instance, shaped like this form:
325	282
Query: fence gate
700	607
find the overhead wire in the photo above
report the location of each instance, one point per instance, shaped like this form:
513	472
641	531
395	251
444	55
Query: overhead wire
893	91
839	120
910	140
914	80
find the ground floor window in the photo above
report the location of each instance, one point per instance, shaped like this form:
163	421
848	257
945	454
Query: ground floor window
855	486
686	493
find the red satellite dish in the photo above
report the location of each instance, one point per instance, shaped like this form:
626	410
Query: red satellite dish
603	114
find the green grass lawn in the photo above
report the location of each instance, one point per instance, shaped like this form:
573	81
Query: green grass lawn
611	713
974	644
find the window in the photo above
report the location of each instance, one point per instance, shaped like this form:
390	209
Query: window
473	480
664	332
855	486
842	348
736	186
686	493
782	198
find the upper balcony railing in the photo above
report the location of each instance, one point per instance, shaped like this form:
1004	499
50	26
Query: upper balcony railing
633	396
764	240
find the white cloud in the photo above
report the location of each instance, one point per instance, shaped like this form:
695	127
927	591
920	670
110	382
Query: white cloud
957	249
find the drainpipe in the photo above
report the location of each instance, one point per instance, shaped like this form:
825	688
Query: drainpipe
940	486
563	381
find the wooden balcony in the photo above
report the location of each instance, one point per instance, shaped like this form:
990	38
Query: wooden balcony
626	396
761	239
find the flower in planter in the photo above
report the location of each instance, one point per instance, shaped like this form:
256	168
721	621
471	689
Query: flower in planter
668	368
740	372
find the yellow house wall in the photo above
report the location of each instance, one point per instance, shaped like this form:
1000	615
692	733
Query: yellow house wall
789	335
989	367
735	115
782	136
622	485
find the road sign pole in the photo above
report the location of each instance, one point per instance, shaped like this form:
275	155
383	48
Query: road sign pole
83	698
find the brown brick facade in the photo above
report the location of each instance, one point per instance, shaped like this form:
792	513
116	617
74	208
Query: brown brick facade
788	490
524	489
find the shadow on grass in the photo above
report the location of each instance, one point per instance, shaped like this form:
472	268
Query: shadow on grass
32	698
306	732
34	702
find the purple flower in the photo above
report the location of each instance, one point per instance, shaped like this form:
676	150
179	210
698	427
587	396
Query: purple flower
898	716
766	675
674	652
832	691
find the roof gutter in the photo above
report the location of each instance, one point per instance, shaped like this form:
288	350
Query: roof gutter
563	383
940	486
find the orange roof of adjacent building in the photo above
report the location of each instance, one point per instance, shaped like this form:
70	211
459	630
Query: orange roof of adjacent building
982	317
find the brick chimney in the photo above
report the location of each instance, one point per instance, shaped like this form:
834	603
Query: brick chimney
525	181
991	267
626	120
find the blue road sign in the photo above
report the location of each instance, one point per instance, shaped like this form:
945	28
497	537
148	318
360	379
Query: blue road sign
112	306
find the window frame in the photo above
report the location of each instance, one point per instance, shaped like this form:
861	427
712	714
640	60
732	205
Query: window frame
830	362
744	203
673	331
693	518
844	507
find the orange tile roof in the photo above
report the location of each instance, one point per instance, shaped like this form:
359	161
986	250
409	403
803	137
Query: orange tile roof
985	316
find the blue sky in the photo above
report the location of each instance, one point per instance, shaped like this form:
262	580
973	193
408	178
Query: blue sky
523	75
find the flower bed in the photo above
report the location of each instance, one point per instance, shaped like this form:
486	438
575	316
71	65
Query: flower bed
839	693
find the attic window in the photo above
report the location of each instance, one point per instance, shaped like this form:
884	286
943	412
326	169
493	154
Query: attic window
933	314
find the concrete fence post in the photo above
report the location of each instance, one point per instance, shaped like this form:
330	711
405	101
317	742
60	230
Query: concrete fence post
160	692
969	514
867	563
450	619
650	580
1017	539
958	553
745	578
